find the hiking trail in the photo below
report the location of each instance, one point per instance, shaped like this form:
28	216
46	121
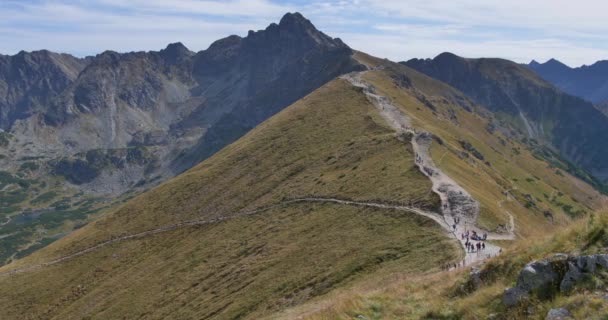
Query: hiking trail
458	207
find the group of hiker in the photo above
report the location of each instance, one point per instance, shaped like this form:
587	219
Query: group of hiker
471	236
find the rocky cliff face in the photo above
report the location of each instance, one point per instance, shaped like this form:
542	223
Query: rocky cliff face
588	82
179	105
249	79
30	80
80	132
541	111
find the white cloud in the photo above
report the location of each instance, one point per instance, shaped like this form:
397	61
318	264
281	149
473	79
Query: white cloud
574	32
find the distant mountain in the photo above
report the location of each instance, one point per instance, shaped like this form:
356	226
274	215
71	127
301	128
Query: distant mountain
182	106
118	122
538	109
30	80
588	82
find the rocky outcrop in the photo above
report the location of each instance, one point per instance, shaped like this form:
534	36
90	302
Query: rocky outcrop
581	267
186	105
558	274
30	80
558	314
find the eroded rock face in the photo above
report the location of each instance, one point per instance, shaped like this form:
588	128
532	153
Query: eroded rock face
184	105
581	267
560	273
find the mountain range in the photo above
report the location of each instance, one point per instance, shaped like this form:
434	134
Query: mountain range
284	175
588	82
86	131
526	102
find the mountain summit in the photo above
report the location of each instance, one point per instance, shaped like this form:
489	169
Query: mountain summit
121	122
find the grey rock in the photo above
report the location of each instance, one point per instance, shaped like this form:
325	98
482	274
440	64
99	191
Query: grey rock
538	276
513	296
602	260
572	276
587	263
580	267
475	278
558	314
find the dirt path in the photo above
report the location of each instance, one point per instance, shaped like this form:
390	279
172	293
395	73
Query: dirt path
459	210
436	217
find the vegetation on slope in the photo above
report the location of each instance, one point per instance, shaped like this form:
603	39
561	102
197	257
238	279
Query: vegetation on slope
443	295
502	174
331	143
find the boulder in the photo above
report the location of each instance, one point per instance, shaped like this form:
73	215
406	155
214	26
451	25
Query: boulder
513	296
475	278
558	314
571	277
540	277
581	267
545	278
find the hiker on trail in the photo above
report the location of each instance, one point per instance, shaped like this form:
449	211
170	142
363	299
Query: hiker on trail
454	226
483	246
478	246
485	236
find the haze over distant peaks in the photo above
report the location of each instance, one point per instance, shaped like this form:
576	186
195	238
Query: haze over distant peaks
588	82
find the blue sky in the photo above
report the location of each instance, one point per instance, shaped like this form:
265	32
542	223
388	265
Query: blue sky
575	32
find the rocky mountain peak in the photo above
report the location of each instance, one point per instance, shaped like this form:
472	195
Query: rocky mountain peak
447	56
175	52
554	63
295	20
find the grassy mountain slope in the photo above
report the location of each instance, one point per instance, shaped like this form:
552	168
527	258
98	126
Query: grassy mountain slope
118	123
441	295
533	107
331	143
534	185
478	155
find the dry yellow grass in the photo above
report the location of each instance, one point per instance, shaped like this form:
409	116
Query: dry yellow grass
438	295
331	143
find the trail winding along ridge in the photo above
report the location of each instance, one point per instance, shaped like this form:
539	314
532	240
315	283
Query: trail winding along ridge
458	207
437	218
459	210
